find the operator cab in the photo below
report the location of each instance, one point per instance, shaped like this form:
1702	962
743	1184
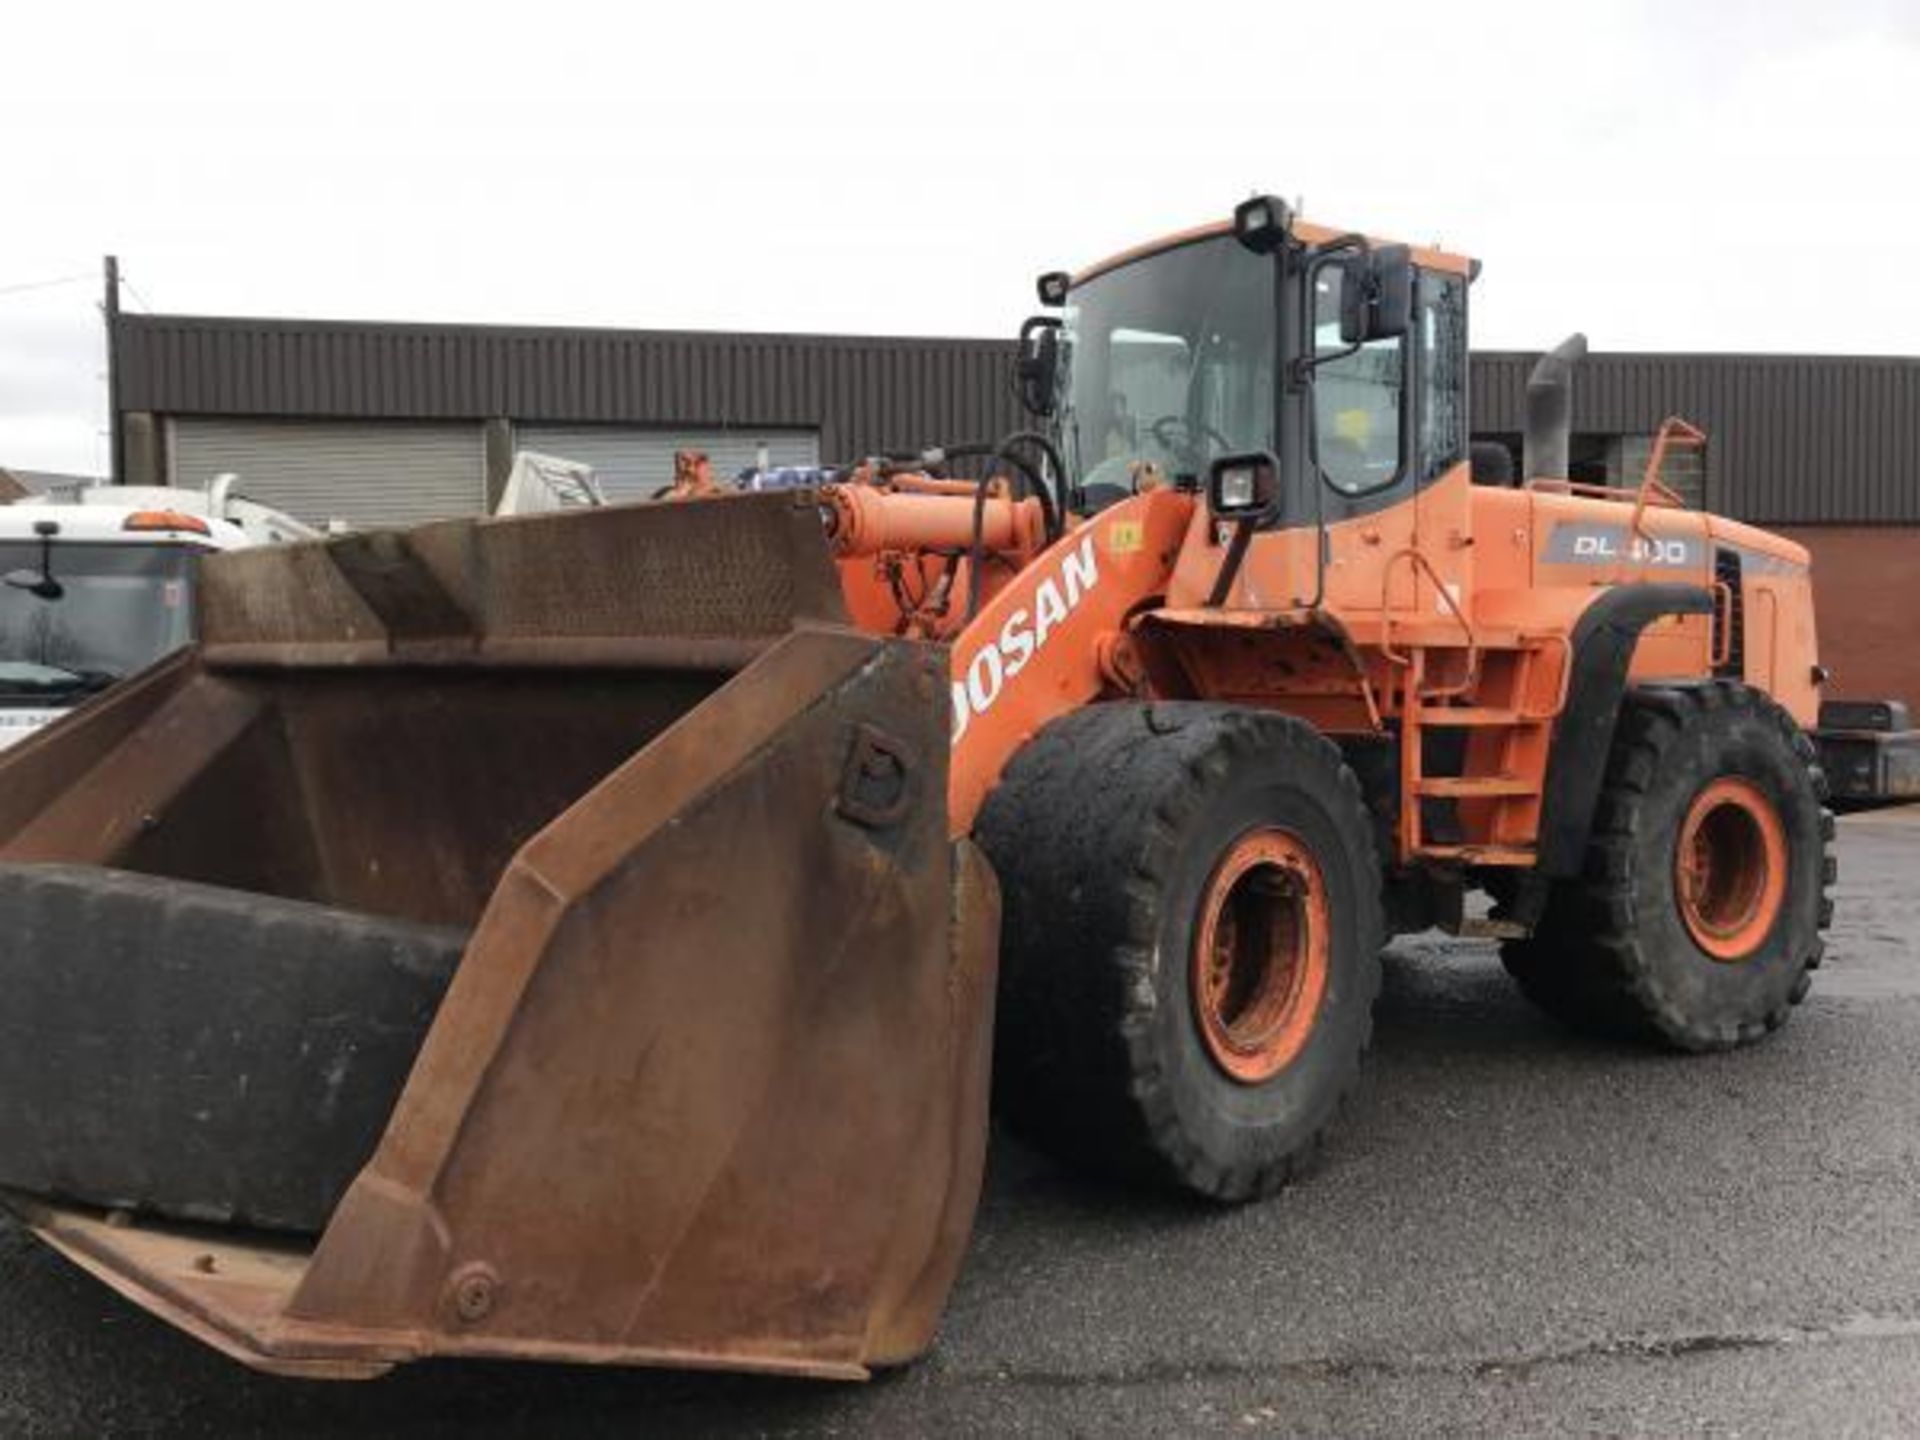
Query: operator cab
1269	347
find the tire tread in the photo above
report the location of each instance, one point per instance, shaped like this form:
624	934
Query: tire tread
1589	962
1106	791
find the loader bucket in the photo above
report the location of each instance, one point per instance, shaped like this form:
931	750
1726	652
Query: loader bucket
708	1084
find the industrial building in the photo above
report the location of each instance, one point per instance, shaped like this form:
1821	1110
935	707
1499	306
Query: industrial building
395	423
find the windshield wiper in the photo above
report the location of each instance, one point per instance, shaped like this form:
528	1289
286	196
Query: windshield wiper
42	586
56	680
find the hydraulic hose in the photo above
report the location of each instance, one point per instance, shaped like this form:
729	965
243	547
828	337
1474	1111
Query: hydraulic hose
1056	516
1053	518
1052	508
976	547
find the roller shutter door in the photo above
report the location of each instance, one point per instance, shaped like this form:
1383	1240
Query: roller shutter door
365	472
632	462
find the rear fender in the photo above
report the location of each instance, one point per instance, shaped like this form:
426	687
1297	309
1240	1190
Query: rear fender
1603	642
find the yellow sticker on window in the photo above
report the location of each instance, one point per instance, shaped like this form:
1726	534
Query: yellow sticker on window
1124	537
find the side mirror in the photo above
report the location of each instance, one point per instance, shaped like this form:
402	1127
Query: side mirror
1036	367
1243	485
1376	300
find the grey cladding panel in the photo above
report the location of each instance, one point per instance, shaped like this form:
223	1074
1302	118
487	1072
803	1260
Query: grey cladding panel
1801	439
365	472
1792	439
860	394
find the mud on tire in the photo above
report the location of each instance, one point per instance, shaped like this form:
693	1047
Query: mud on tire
1623	950
1113	833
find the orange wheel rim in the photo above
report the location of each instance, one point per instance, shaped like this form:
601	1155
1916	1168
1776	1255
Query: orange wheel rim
1730	868
1259	971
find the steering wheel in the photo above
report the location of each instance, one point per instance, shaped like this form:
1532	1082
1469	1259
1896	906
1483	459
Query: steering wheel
1111	476
1189	431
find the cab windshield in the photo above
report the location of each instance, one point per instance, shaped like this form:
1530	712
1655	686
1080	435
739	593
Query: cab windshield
1167	363
108	610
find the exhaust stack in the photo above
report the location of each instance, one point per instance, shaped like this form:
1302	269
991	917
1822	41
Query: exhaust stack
1550	409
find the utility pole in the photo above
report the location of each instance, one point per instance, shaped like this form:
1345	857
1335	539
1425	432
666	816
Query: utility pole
115	440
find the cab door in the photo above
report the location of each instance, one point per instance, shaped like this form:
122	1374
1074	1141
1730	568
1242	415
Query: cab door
1443	484
1389	443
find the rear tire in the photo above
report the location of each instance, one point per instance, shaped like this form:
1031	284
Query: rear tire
1697	920
1190	945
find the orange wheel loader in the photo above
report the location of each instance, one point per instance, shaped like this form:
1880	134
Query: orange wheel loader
599	936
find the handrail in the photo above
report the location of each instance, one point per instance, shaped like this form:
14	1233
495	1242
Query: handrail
1421	563
1566	680
1720	652
1590	490
1673	431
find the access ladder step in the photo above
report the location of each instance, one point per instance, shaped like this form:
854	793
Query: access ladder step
1485	927
1476	715
1480	854
1476	787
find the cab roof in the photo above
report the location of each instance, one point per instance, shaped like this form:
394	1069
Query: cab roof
1305	229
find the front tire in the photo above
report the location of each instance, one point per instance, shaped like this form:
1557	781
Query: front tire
1697	921
1191	936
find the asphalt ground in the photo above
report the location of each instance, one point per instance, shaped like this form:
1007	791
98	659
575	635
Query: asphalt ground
1516	1231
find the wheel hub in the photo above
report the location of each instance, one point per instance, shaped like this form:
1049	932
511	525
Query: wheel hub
1730	868
1259	968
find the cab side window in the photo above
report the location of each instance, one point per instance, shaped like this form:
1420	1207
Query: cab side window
1356	398
1441	318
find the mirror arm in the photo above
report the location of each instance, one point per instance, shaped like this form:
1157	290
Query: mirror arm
1304	367
1231	562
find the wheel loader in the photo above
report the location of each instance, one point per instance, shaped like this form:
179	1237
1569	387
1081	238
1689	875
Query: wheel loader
600	936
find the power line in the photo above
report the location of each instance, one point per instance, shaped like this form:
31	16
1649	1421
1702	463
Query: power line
44	284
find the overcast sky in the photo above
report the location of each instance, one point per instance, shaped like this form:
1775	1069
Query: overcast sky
1667	176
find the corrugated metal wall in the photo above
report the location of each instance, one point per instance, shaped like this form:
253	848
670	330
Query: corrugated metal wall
1791	439
1795	439
862	395
365	472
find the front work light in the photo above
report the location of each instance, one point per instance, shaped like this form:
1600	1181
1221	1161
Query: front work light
1262	223
1240	485
1236	488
